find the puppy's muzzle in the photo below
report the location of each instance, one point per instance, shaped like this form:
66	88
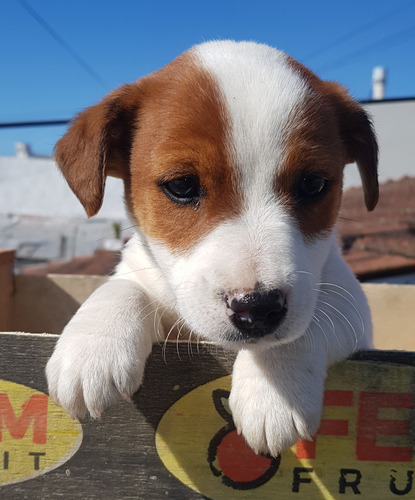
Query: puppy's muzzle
258	313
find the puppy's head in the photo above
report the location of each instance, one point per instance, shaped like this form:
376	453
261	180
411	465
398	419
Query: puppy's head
232	158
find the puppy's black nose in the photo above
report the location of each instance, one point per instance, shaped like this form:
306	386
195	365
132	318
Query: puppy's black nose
258	313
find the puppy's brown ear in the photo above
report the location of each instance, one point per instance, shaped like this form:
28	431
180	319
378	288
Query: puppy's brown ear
359	139
98	144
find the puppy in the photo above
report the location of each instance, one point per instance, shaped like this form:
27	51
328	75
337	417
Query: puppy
232	158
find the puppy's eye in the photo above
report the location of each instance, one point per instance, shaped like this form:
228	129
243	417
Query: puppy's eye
312	185
183	190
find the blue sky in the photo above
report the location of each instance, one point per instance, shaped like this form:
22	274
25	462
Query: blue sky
121	40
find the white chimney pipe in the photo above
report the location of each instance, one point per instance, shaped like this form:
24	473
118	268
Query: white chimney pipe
22	150
378	83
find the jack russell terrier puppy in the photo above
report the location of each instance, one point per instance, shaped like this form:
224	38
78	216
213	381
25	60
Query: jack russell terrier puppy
232	159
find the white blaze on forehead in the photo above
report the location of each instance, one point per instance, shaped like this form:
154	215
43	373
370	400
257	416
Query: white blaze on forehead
260	90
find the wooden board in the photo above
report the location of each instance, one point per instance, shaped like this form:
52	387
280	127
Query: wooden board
47	303
6	288
177	439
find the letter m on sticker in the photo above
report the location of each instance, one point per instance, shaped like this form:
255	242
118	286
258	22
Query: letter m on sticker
33	411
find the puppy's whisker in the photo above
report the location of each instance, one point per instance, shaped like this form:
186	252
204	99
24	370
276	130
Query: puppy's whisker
192	338
177	343
155	313
341	316
352	305
328	321
197	344
179	334
157	329
158	314
166	340
159	336
128	228
133	271
337	286
112	234
189	345
315	320
303	272
309	339
148	306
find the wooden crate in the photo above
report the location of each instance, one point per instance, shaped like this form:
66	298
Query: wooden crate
177	440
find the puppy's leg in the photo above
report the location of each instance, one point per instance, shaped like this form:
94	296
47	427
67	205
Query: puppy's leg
277	395
101	353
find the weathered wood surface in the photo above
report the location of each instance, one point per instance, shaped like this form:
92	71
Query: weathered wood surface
6	288
118	457
47	303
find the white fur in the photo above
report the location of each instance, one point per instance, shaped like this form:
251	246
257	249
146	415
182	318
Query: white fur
278	381
261	92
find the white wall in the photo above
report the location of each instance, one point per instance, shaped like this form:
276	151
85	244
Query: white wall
34	186
42	219
394	123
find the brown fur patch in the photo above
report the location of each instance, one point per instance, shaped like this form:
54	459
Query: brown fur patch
312	146
327	131
183	129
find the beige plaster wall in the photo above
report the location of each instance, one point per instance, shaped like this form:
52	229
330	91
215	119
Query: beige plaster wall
393	316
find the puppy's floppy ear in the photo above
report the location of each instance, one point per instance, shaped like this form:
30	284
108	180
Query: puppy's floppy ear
359	140
98	144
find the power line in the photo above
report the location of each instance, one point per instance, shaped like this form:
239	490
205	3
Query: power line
38	123
357	31
65	45
387	41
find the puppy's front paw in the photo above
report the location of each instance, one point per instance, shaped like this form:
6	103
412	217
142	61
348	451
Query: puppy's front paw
88	373
268	422
274	407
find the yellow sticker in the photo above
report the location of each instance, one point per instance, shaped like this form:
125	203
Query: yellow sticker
364	445
36	436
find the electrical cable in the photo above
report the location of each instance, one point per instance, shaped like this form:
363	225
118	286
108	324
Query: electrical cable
65	45
357	31
388	41
38	123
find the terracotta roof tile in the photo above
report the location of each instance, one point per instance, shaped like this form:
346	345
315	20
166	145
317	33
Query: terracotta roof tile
381	242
